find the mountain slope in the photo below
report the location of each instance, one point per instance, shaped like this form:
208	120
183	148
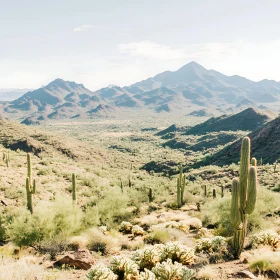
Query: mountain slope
59	99
249	119
265	145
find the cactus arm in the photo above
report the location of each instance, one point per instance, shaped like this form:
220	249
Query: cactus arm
234	210
29	171
252	191
254	161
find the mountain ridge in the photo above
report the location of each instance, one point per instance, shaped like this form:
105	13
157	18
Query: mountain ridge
191	86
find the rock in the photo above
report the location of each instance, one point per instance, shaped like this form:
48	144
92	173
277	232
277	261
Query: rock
81	259
246	274
4	202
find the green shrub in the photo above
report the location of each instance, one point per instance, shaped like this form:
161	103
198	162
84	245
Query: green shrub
157	236
54	246
26	229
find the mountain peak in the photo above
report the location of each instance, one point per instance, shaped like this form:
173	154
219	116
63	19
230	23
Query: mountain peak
192	65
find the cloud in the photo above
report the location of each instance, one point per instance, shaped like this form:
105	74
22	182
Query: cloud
150	49
83	27
162	52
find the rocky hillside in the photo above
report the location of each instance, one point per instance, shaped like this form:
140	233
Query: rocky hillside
247	120
265	145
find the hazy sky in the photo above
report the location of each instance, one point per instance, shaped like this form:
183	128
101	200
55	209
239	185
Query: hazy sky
123	41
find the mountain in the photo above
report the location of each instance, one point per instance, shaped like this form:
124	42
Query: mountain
265	145
10	94
59	99
247	120
193	86
201	113
190	88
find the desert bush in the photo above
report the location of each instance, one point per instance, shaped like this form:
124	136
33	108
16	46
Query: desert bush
216	212
99	242
50	220
206	273
266	263
26	229
54	246
112	207
157	236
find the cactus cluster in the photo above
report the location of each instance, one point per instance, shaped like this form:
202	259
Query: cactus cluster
30	186
101	272
163	262
181	183
170	270
244	193
125	227
137	231
124	268
267	237
178	225
150	256
210	245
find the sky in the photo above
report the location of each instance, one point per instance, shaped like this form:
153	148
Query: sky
100	43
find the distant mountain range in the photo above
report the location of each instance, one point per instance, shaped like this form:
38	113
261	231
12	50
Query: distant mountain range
191	87
8	94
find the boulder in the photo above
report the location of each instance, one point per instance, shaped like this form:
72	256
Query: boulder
81	259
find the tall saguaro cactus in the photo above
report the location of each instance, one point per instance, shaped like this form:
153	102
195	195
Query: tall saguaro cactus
6	158
30	188
74	195
244	194
181	182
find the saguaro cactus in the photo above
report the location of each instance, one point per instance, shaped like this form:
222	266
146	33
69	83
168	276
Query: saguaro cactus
150	195
74	196
181	182
6	158
214	193
244	194
30	188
